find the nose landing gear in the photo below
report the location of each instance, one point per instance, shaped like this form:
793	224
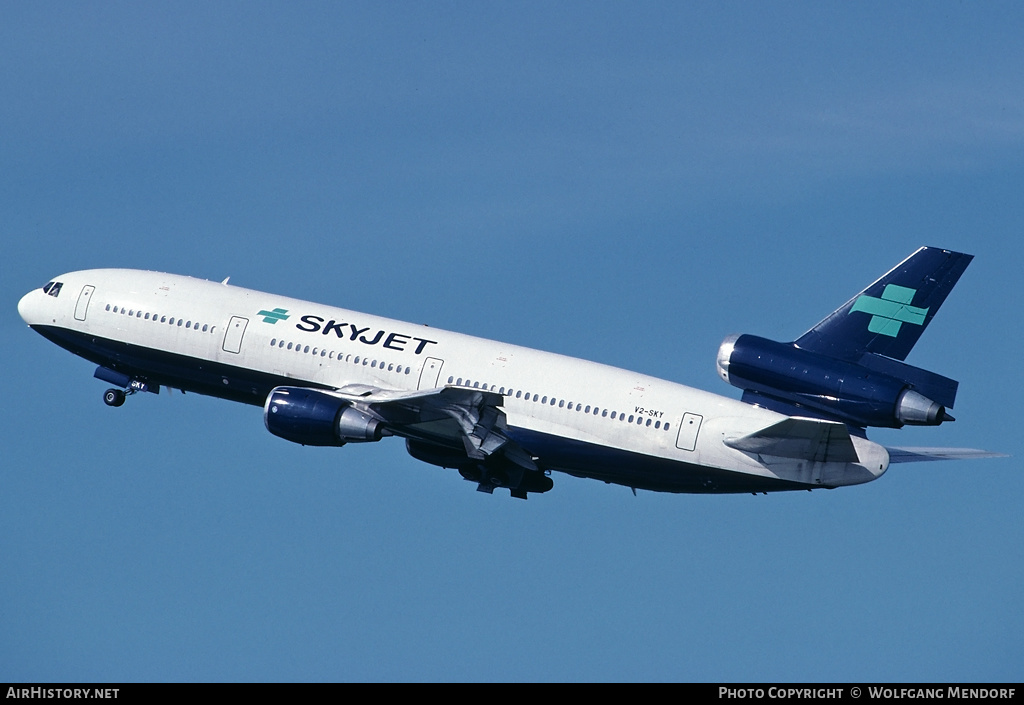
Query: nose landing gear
113	397
129	385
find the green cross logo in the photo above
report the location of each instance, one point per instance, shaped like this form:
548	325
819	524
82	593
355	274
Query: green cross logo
891	311
278	314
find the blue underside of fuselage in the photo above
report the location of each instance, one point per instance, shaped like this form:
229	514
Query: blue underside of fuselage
577	458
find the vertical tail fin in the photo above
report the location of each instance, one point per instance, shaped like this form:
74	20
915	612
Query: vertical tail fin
888	317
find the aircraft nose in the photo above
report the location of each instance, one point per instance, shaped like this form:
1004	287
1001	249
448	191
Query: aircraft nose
27	307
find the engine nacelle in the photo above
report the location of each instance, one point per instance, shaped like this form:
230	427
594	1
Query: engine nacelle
881	393
315	418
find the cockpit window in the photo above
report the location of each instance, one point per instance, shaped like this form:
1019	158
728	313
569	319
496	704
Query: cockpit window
53	288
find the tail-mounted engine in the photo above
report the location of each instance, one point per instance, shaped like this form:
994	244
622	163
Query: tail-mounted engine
315	418
873	391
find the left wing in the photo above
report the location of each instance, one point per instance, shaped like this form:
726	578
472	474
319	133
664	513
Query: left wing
448	415
455	426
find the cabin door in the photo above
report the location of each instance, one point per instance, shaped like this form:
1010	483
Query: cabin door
430	373
688	429
234	333
83	302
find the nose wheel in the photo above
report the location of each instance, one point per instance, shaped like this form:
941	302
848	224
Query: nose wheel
113	397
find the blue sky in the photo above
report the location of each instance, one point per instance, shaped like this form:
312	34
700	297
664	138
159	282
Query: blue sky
624	183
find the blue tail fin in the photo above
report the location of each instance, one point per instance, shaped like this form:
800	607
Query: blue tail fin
888	317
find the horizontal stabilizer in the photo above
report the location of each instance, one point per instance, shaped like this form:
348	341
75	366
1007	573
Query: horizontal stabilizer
919	455
804	439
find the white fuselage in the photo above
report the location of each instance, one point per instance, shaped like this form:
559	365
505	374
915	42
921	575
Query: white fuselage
575	416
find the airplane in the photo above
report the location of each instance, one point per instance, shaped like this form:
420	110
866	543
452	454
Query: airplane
508	416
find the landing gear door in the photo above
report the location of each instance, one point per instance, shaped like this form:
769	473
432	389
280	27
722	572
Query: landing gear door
83	302
234	333
688	429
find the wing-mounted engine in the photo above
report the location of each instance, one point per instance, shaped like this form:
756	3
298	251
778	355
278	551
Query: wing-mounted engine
875	391
849	367
315	418
452	427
